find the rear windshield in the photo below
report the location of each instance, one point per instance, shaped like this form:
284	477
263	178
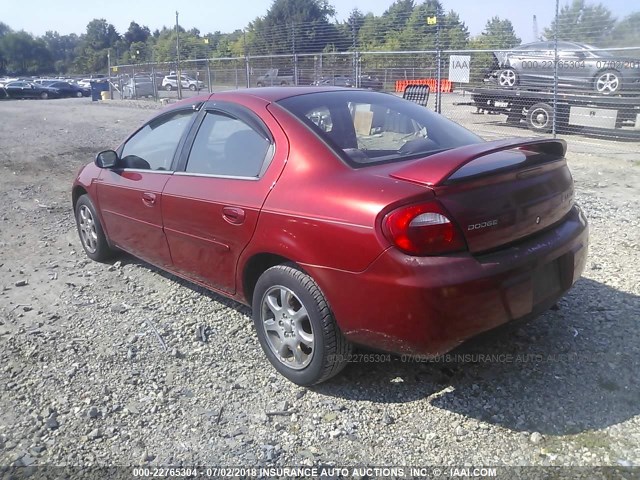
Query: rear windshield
367	128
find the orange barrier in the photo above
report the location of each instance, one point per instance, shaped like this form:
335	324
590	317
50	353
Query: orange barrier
446	86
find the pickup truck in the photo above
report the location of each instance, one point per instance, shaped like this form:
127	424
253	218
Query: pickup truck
275	76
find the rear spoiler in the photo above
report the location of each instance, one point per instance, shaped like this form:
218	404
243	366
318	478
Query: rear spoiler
434	170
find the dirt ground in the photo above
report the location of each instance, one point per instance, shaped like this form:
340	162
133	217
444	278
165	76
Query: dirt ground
105	363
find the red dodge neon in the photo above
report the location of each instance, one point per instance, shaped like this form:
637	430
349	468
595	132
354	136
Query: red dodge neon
342	217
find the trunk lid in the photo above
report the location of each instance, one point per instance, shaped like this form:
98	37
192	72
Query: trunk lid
498	192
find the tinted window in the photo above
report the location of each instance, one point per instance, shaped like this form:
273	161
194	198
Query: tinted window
154	145
227	146
369	127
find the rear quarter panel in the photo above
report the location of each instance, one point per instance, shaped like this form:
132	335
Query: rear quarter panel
322	212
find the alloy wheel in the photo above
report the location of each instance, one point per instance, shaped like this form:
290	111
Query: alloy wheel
287	327
87	229
607	83
507	78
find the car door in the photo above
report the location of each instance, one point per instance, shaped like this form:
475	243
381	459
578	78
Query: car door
572	69
211	207
19	90
130	196
535	62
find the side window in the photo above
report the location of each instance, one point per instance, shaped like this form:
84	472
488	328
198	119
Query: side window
227	146
154	145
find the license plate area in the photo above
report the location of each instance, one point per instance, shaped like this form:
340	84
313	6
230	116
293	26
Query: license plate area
546	281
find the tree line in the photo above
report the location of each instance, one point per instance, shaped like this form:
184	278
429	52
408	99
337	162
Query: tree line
298	26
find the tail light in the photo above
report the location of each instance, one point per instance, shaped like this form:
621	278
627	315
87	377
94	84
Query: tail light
423	229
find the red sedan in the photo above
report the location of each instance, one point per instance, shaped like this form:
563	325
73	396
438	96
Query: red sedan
342	217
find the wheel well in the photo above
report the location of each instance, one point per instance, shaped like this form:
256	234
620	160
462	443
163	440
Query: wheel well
76	194
255	267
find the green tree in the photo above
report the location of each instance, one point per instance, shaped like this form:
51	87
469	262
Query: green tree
293	25
92	51
136	34
24	55
420	35
498	33
626	33
4	29
580	22
61	48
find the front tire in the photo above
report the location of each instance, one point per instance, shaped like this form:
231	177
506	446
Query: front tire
192	87
167	87
79	94
296	328
44	95
91	232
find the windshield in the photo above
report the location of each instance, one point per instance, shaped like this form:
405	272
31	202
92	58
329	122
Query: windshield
367	128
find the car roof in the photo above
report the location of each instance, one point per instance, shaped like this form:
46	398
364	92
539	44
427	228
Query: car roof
274	94
267	94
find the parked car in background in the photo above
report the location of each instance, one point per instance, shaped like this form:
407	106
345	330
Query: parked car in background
335	81
364	81
4	81
24	89
579	66
138	87
170	82
370	81
84	83
66	89
342	217
276	76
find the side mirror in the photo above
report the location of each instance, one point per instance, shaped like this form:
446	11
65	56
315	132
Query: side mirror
107	159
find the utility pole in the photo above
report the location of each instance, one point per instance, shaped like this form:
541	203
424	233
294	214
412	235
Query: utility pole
555	70
179	75
355	52
295	55
109	73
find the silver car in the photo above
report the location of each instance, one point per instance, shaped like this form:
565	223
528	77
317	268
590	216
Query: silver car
138	87
579	66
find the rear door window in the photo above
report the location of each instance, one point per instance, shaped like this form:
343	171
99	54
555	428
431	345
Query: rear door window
227	146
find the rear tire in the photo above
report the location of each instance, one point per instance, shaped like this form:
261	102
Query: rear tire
192	88
44	95
168	87
540	118
296	327
608	82
90	230
79	94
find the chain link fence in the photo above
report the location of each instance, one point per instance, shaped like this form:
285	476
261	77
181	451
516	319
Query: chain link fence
495	85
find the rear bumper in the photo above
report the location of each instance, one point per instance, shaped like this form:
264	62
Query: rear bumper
429	305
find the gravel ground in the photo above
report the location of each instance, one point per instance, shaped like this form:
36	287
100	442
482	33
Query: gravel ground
122	364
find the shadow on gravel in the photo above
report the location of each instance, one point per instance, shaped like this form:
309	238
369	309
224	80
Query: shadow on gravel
569	371
127	259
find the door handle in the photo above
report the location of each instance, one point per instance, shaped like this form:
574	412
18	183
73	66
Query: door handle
233	215
149	199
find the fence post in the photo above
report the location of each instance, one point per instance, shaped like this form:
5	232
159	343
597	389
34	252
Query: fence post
133	81
555	73
246	60
154	84
209	76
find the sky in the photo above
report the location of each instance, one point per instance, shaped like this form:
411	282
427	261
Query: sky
67	16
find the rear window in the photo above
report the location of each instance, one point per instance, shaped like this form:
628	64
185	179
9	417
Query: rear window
367	128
